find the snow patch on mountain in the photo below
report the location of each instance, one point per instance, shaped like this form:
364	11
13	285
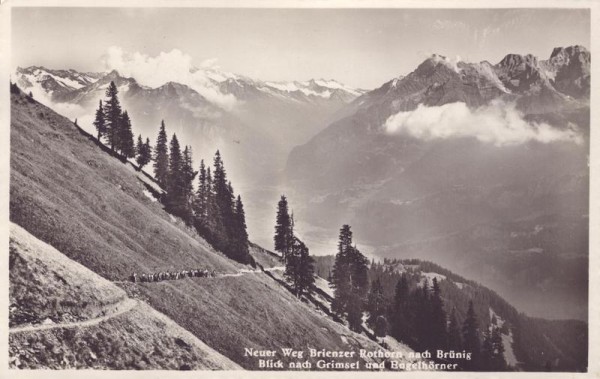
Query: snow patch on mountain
303	87
429	276
507	339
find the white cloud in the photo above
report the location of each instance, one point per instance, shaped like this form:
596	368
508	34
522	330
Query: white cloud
210	63
174	66
497	123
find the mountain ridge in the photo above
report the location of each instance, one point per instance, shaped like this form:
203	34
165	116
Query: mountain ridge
398	187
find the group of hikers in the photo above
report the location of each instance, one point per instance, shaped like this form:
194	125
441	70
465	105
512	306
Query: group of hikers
170	275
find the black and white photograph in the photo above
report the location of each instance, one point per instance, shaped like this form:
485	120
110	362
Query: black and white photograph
299	188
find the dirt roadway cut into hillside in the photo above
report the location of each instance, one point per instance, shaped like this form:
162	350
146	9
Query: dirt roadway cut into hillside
125	305
124	333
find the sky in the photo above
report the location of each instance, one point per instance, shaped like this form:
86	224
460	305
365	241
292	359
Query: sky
363	48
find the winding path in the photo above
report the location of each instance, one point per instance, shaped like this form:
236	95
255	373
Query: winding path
114	310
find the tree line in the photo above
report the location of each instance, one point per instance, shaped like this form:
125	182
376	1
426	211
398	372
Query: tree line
416	315
212	208
411	308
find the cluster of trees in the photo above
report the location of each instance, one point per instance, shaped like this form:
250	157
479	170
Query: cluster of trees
143	152
419	319
218	214
299	265
114	125
349	280
212	208
416	315
413	309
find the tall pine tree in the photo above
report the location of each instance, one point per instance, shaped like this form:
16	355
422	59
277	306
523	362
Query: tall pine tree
341	273
175	183
471	342
201	200
439	333
454	336
359	287
139	152
188	176
306	270
161	157
112	115
282	229
498	361
99	122
401	312
376	302
125	136
240	235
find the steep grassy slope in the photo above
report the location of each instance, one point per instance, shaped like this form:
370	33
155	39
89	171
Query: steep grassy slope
83	321
69	193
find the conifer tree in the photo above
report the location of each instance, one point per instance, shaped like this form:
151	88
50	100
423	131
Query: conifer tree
471	342
188	176
400	314
282	229
306	270
454	337
376	302
143	152
340	274
349	280
161	157
381	326
147	152
211	206
175	183
240	235
438	331
201	199
221	202
112	115
487	352
498	362
99	122
422	316
139	152
359	288
125	136
292	264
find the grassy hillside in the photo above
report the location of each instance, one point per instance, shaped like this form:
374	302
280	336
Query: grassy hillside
80	320
94	208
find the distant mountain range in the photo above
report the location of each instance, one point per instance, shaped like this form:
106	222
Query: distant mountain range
480	167
268	118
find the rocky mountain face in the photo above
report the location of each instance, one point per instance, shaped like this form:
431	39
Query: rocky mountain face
435	189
